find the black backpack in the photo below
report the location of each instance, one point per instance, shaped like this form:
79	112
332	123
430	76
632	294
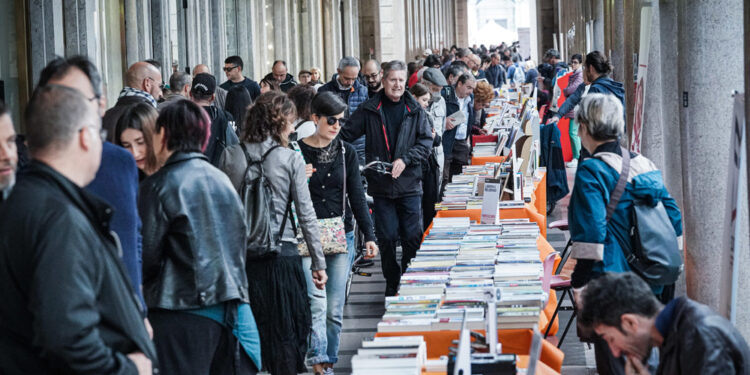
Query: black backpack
222	134
655	254
260	218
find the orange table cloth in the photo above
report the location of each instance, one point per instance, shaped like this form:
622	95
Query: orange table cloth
514	341
540	196
482	160
529	211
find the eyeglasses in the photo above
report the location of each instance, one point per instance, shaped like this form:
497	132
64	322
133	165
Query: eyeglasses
95	97
229	69
161	85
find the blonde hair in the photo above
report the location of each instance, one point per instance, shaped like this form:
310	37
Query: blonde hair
530	64
483	93
316	71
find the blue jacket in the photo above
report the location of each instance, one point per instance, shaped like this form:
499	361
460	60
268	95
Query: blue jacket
602	85
595	239
495	75
117	183
451	107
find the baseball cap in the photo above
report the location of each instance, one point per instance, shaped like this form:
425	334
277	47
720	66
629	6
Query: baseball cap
204	83
435	76
427	52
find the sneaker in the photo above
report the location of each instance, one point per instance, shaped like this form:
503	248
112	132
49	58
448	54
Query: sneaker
328	371
572	164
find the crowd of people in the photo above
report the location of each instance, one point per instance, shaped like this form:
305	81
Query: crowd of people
206	228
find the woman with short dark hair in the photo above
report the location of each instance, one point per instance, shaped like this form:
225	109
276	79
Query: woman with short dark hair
194	279
268	83
134	132
335	179
302	96
277	286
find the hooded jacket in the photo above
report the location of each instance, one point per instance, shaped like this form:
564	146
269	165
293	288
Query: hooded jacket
286	84
593	237
414	144
602	85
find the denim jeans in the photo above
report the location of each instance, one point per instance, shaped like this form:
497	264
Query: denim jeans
575	141
397	219
327	305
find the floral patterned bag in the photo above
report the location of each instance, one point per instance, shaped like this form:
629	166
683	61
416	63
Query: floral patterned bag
332	232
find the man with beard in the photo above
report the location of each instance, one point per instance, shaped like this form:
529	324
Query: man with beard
8	153
692	339
374	76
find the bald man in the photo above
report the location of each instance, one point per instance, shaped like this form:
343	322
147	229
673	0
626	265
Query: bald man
143	84
221	94
374	77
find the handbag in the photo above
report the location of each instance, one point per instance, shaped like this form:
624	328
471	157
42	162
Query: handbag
332	231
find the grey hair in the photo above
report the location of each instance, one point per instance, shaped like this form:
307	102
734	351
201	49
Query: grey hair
393	66
347	62
178	80
53	115
602	115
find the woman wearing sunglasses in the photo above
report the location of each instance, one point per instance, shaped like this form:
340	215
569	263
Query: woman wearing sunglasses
336	177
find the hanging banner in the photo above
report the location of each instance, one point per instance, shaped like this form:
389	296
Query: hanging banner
640	86
737	156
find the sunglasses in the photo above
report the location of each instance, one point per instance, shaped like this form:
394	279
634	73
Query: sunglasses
227	70
332	121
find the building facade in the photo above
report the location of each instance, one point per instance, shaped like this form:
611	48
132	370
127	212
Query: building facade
183	33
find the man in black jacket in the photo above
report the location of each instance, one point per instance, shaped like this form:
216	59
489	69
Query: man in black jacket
222	133
397	131
233	66
67	306
692	339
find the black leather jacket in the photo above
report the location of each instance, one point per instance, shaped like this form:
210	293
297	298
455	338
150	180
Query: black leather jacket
193	236
700	341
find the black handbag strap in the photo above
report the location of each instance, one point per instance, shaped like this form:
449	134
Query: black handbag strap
614	198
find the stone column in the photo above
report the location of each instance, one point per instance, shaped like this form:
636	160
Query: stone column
218	37
462	27
160	36
79	28
46	38
706	30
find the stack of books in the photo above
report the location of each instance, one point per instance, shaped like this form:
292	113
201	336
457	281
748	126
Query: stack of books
409	313
403	355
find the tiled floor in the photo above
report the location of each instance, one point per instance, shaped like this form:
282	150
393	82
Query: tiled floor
365	307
